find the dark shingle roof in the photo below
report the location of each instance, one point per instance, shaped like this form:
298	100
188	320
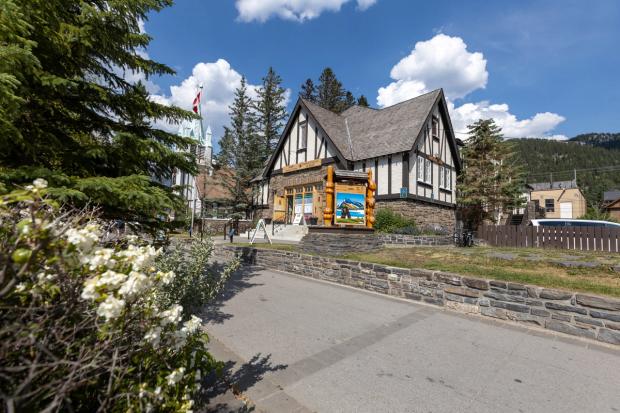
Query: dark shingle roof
542	186
362	133
609	196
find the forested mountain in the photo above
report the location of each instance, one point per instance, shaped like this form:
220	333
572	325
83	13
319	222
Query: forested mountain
602	140
598	169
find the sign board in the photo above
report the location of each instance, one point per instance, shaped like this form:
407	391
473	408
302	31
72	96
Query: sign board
297	219
260	224
404	192
350	204
303	165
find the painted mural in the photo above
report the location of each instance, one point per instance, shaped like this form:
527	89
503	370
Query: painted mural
350	208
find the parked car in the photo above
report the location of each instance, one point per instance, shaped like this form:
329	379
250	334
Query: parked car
549	222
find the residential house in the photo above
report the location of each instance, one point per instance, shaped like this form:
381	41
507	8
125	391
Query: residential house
611	203
559	199
410	148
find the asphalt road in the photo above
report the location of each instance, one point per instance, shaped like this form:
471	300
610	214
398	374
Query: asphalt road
299	345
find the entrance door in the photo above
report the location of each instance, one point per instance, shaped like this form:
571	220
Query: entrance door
566	210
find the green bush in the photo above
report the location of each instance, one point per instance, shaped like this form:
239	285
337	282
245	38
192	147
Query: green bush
389	221
84	327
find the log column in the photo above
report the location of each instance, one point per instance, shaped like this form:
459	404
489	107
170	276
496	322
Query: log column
328	212
371	187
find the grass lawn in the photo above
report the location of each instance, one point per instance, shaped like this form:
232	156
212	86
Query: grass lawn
479	262
266	245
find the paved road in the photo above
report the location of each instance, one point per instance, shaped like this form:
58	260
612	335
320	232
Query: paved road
299	345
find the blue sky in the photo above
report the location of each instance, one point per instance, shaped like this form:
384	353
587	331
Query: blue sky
541	68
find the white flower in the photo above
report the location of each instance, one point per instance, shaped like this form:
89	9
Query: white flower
173	315
191	325
111	308
101	257
176	376
21	287
83	238
90	289
135	284
166	277
40	183
111	279
143	392
29	188
153	336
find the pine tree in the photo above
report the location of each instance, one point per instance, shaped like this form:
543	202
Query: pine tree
330	92
362	101
348	101
308	91
491	181
69	116
271	112
226	155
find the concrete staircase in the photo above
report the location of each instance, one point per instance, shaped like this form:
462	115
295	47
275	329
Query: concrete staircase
286	233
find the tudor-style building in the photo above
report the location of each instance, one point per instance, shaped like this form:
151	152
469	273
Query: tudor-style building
409	147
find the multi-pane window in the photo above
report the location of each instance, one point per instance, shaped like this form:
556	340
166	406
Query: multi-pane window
549	205
425	170
448	178
435	128
420	162
441	177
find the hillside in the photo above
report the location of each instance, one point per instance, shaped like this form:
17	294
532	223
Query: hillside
545	160
601	140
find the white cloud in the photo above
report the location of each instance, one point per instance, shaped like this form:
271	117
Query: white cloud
536	126
296	10
219	82
444	62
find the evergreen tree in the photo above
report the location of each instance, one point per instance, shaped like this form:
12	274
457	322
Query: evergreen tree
491	180
271	112
226	155
331	94
349	100
68	115
308	91
362	101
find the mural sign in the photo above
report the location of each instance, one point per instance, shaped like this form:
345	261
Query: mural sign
350	204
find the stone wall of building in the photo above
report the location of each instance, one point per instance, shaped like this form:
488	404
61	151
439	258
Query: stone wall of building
401	239
583	315
425	214
335	241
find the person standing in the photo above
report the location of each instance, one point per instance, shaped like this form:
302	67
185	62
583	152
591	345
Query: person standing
231	233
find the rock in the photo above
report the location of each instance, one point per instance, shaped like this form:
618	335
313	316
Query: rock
612	325
532	292
502	255
608	336
514	286
590	321
548	294
598	302
476	283
484	302
562	307
498	284
606	316
510	306
577	264
416	272
434	301
540	312
569	329
561	317
462	291
616	268
453	297
447	278
493	312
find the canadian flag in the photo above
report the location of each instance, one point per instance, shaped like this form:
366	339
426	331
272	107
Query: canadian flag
196	102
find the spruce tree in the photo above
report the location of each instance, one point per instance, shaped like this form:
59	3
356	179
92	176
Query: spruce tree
68	115
362	101
226	155
491	180
308	91
331	94
348	101
271	112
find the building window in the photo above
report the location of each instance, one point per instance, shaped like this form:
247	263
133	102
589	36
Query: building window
420	168
448	178
549	205
442	177
303	135
428	171
435	128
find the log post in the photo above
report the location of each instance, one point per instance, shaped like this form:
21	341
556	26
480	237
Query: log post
370	201
328	212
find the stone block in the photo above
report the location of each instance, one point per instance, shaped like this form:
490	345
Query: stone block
476	283
612	325
598	302
447	278
462	291
484	302
493	312
525	318
463	307
469	300
563	307
417	272
532	292
540	312
534	303
562	317
548	294
497	284
569	329
510	306
515	286
589	321
606	316
434	301
413	296
608	336
453	297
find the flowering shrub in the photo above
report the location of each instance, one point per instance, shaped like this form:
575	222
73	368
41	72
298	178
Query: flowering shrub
85	328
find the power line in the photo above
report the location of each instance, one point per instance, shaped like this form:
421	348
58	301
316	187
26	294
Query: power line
609	168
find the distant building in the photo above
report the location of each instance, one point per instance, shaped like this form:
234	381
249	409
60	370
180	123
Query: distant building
410	148
559	199
611	203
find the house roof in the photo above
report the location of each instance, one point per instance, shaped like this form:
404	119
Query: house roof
543	186
609	196
215	187
362	133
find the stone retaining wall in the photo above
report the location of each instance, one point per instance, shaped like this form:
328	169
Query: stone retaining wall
583	315
400	239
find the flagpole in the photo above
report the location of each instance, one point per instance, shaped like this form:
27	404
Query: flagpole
202	132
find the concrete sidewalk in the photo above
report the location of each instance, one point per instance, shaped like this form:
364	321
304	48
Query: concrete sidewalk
298	345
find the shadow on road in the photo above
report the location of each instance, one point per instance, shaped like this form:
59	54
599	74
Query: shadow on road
239	281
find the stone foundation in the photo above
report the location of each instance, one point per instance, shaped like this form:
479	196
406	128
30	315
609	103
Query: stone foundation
425	214
583	315
339	241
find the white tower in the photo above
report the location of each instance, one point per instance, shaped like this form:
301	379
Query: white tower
208	147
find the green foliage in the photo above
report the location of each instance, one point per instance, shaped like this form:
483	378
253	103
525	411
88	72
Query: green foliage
66	107
329	94
596	213
389	221
271	111
197	280
308	91
362	101
492	178
547	160
84	326
600	140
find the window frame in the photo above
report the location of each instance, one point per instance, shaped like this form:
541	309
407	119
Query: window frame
435	127
302	135
547	208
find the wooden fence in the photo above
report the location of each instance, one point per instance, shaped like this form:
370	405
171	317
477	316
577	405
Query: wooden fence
569	238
